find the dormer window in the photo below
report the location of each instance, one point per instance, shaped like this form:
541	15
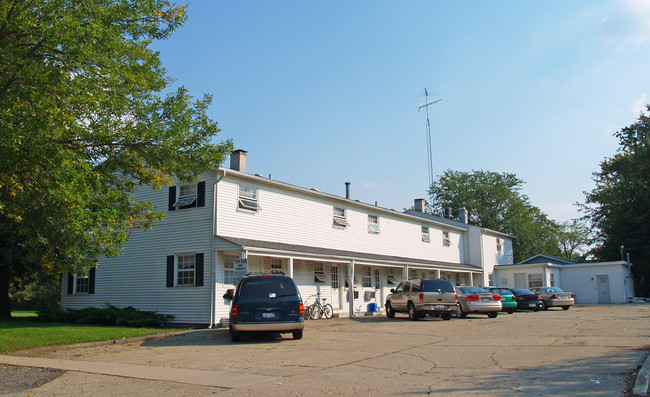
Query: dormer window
339	218
247	198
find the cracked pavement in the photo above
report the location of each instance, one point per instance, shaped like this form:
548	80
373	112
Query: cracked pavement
587	350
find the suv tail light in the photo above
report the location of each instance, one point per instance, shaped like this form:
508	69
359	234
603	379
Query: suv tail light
496	297
234	312
472	298
421	297
301	309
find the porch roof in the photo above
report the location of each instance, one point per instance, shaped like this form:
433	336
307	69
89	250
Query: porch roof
344	255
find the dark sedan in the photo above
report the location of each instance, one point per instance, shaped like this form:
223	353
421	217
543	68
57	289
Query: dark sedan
527	300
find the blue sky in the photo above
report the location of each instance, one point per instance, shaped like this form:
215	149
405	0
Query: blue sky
320	93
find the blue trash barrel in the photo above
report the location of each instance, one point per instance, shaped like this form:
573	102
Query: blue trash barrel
372	307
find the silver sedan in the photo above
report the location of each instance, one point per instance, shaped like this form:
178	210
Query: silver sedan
554	297
477	300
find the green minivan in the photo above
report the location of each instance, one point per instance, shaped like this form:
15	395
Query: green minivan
507	298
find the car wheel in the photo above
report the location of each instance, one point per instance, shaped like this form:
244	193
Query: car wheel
492	314
460	312
446	316
235	336
413	315
390	313
510	311
565	307
297	334
544	306
536	309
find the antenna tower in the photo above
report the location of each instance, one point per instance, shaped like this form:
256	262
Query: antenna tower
428	129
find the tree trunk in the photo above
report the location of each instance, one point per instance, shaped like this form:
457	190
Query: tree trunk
5	309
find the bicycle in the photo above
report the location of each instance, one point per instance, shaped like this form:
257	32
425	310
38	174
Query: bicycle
320	309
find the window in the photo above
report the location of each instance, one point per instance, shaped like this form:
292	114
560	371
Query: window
377	279
446	242
425	234
552	280
366	280
185	270
339	218
228	269
413	273
82	284
186	196
319	273
247	198
276	264
499	244
535	280
390	277
458	280
373	224
334	272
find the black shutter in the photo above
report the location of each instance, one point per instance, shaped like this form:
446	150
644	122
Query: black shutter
198	278
172	197
70	283
170	270
200	194
91	281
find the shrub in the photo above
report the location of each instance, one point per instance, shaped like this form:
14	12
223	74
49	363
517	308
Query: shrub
108	315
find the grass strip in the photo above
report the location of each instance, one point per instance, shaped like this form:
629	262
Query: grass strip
23	334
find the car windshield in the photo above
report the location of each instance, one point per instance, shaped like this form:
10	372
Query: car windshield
472	290
267	287
437	286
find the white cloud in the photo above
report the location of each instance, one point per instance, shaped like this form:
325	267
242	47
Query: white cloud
629	22
639	106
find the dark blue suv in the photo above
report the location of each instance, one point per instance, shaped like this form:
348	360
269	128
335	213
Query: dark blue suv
266	303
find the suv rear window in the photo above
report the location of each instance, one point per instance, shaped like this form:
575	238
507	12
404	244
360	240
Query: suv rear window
265	287
437	286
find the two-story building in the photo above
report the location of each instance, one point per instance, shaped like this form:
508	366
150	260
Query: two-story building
352	253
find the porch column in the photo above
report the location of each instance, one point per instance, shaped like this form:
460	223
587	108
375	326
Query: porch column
437	273
291	267
351	287
471	278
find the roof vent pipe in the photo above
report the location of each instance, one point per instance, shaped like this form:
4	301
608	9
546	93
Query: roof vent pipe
347	190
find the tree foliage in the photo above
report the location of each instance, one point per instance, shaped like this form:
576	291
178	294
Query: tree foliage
87	114
494	201
574	236
619	205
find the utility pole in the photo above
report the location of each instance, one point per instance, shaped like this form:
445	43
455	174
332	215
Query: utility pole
428	131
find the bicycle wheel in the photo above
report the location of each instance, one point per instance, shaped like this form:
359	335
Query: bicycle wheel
328	311
314	313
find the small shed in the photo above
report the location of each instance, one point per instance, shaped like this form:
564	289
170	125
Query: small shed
590	282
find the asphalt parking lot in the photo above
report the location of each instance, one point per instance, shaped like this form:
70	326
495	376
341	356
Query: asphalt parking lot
583	351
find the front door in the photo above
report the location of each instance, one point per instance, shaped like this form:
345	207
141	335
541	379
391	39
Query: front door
603	289
336	287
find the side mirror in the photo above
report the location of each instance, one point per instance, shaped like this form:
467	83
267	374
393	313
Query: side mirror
392	290
230	293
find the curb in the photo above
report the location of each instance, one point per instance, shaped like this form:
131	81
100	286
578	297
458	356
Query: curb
642	379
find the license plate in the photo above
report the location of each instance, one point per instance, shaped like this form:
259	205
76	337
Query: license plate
440	307
485	299
532	304
268	315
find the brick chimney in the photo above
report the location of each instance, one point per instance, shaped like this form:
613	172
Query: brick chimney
238	160
462	215
419	205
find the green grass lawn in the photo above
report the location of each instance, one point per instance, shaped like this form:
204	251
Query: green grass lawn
24	334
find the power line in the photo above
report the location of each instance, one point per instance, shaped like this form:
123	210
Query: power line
428	136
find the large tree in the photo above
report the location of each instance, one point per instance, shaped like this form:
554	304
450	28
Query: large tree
494	200
619	205
87	114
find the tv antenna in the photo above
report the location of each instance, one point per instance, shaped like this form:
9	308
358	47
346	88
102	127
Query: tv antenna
428	128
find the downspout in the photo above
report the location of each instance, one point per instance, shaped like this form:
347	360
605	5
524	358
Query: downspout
213	290
482	258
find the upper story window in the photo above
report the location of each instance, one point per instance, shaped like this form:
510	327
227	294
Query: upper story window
373	224
425	234
498	244
339	217
446	242
187	196
248	198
